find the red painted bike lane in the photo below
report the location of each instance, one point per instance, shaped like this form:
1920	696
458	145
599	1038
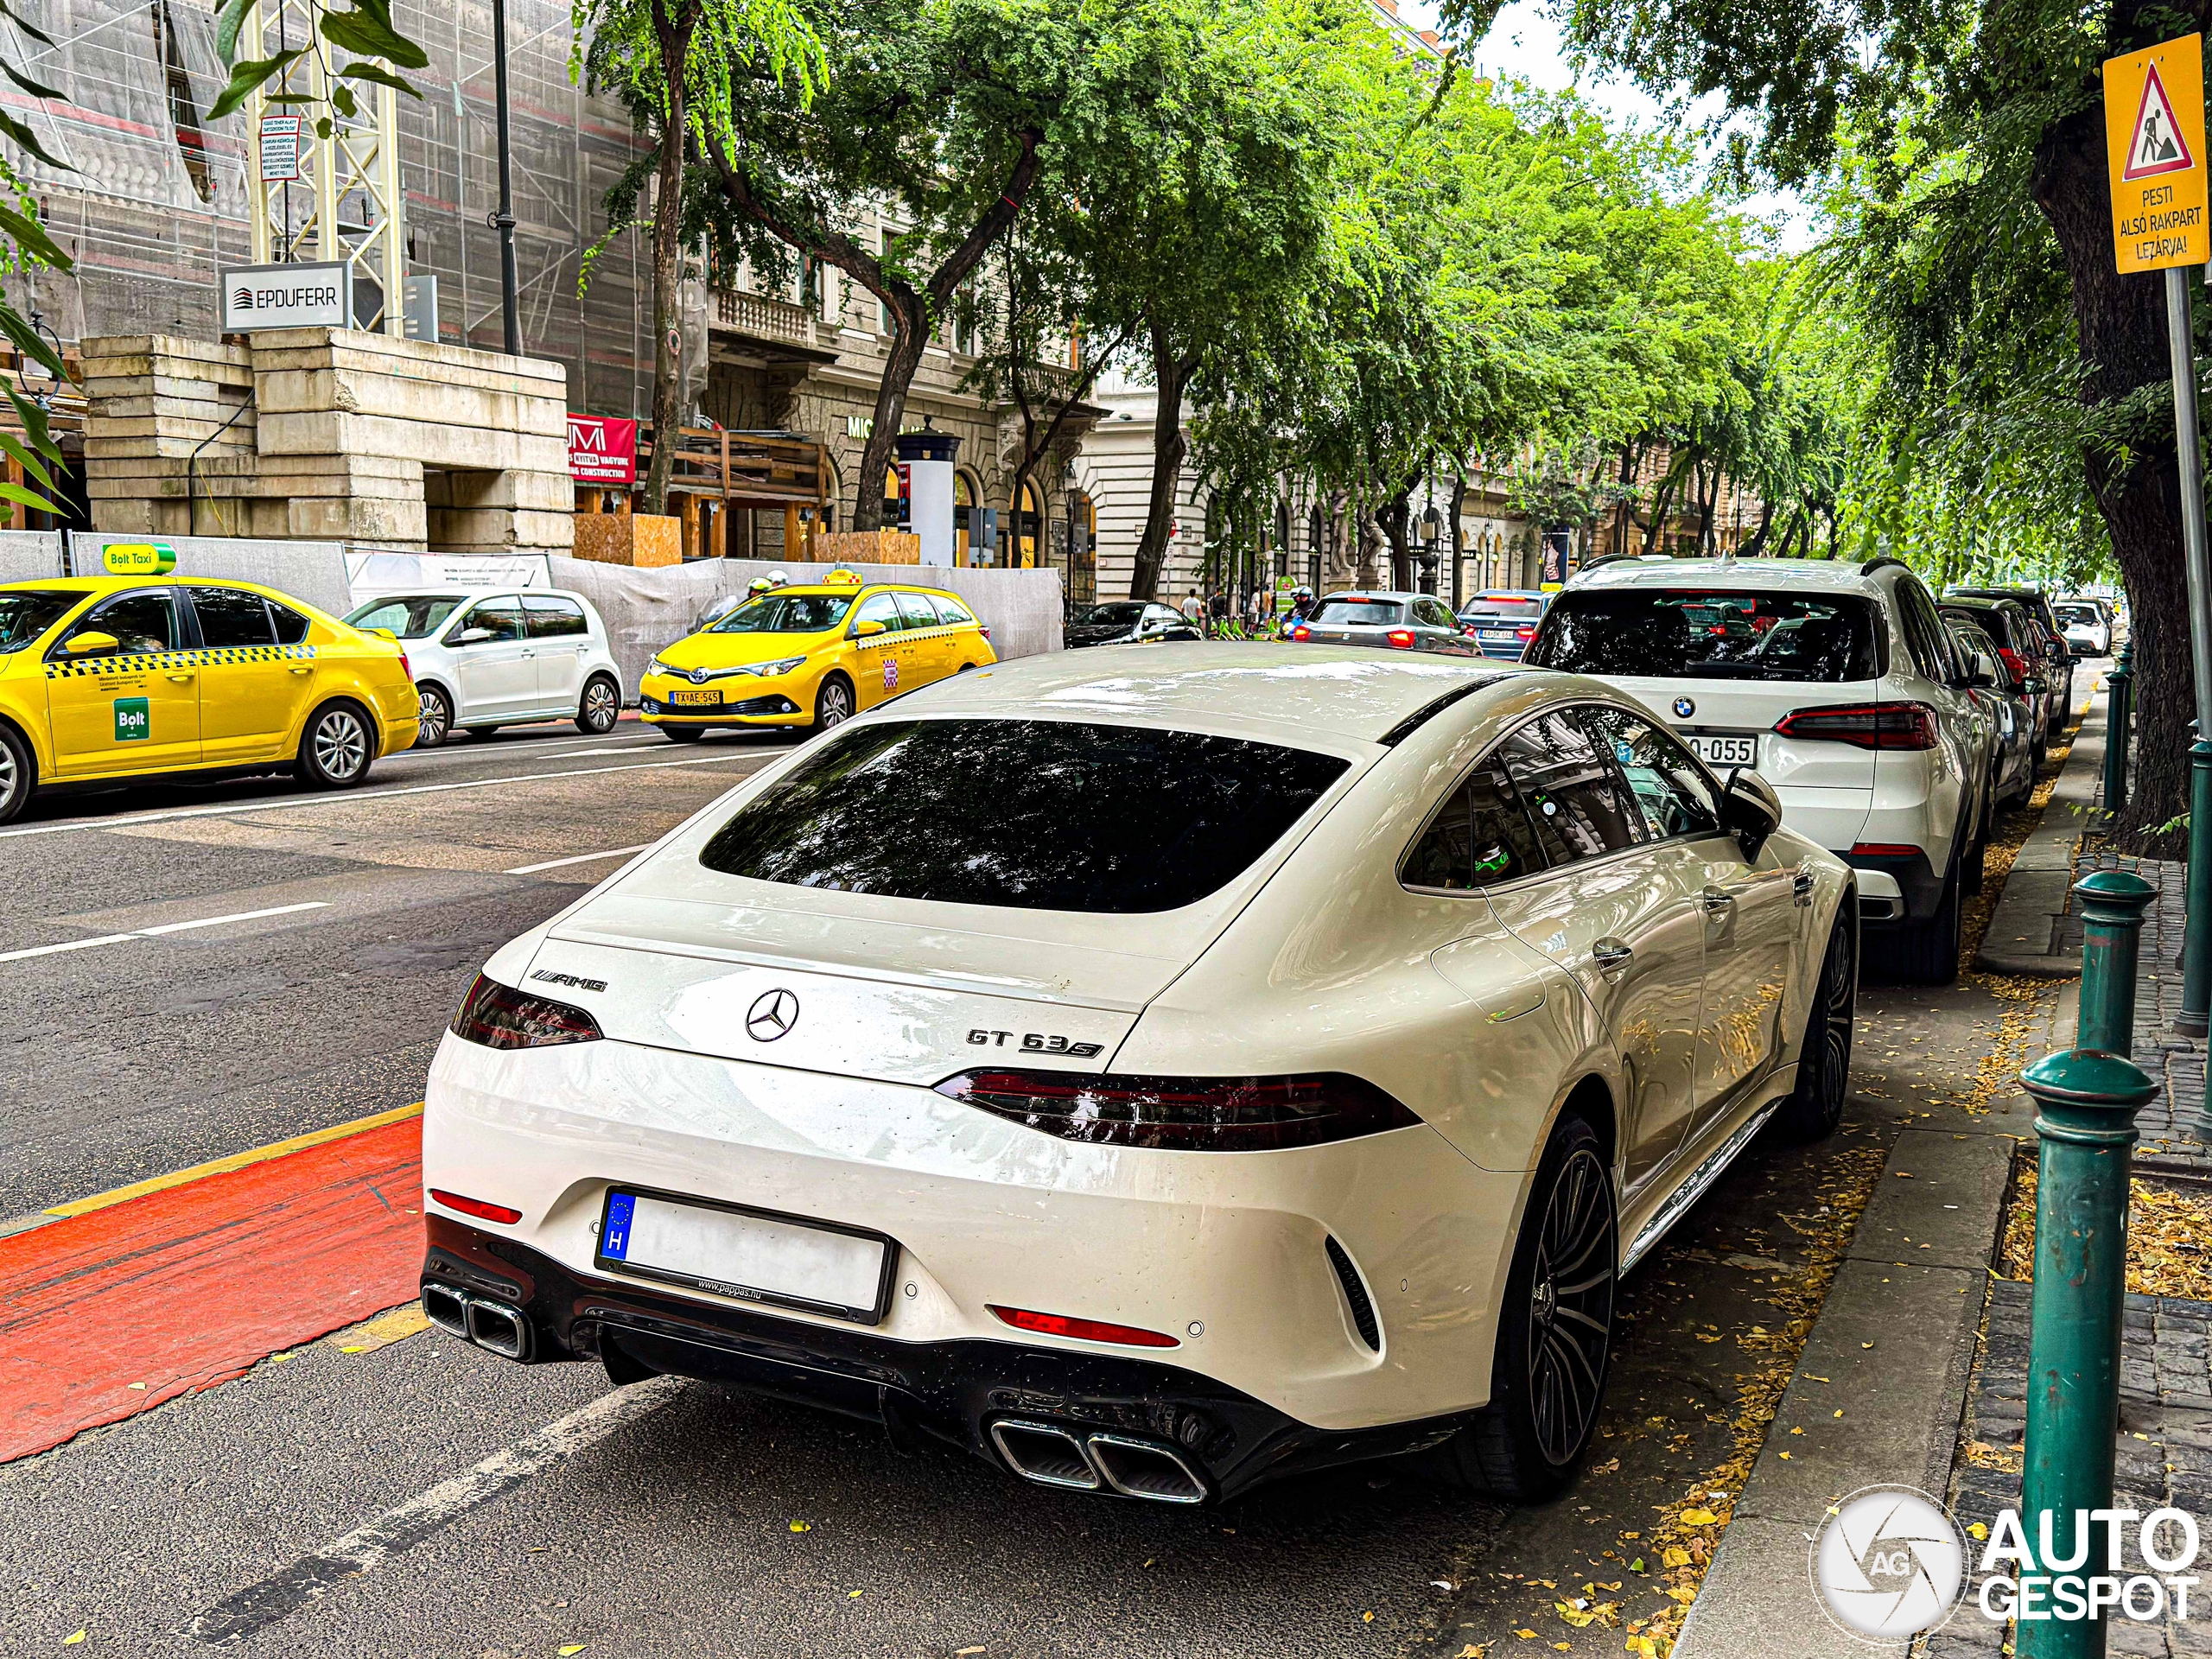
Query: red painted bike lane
105	1314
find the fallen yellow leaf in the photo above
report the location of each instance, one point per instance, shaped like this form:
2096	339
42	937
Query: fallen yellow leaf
1705	1517
1979	1530
852	1595
72	1641
1675	1555
573	1647
802	1525
1526	1636
1367	1618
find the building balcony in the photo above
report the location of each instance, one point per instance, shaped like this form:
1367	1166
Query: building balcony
759	317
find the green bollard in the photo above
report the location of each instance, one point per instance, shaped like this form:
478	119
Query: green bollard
2088	1094
2196	934
2118	685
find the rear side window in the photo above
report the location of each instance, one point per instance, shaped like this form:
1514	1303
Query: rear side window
291	627
1023	814
950	612
916	611
1707	634
1573	793
231	618
1358	613
553	619
1479	837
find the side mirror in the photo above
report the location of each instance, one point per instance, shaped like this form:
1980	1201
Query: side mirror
1750	810
2031	686
472	636
83	644
866	630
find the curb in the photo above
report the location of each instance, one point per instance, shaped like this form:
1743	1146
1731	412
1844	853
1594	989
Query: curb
2023	936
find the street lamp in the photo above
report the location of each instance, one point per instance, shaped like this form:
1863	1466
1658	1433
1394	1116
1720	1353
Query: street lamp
1432	531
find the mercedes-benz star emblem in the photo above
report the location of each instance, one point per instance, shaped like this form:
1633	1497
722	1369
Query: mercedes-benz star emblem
773	1013
1684	708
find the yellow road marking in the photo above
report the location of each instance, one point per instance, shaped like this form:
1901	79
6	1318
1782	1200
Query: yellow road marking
236	1160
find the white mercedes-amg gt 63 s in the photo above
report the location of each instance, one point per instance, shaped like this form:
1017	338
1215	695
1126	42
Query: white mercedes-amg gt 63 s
1153	1070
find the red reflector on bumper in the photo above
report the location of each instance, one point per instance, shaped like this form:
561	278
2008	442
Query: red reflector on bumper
1885	849
1059	1324
478	1208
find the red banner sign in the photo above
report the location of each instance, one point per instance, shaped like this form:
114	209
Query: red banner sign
602	450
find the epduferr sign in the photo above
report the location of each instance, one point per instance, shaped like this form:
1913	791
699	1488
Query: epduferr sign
285	296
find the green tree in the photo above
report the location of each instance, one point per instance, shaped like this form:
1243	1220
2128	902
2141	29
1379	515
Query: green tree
659	57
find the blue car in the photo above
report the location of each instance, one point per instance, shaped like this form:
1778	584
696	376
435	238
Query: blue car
1503	620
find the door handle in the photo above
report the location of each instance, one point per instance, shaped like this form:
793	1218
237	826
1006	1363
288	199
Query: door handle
303	671
1611	953
179	679
1718	902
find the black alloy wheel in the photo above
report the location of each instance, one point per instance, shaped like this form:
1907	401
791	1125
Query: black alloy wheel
1814	1110
601	707
436	716
1556	1329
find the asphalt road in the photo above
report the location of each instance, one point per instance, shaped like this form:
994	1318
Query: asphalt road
676	1518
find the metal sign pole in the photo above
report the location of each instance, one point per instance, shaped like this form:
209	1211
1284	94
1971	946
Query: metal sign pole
2197	952
503	221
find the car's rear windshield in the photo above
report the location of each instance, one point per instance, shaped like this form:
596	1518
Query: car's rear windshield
410	616
1994	621
27	612
2079	616
1118	615
1701	634
1507	605
787	614
1024	814
1372	612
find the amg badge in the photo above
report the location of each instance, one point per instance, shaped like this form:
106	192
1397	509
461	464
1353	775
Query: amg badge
1037	1042
550	978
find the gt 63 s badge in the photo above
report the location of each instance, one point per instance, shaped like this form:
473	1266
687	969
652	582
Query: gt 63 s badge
1036	1042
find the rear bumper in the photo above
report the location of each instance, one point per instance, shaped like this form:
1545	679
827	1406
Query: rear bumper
954	1392
1920	887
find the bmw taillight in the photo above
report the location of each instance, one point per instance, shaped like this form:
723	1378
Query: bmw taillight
1524	635
1402	637
1865	726
1185	1114
498	1016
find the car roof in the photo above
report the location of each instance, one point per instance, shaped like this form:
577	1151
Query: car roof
1277	691
120	584
1371	593
1822	575
469	596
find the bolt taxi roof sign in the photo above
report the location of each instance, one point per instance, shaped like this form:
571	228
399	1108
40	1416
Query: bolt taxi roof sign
138	558
2154	152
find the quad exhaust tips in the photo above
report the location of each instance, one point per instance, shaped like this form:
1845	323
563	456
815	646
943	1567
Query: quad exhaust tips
488	1325
1053	1454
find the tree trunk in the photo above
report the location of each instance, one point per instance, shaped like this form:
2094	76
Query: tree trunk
2122	336
1391	516
673	34
1458	538
1171	374
913	326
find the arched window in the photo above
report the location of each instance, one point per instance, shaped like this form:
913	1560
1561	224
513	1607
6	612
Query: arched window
1025	533
1083	549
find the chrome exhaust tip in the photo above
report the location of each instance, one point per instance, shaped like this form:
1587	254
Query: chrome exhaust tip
447	1309
1049	1455
499	1329
1145	1469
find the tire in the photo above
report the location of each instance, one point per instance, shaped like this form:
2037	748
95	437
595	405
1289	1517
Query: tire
18	774
683	734
1927	953
1972	870
1824	1058
600	707
437	717
834	704
337	747
479	733
1554	1344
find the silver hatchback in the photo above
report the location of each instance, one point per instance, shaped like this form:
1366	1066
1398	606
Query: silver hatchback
1390	621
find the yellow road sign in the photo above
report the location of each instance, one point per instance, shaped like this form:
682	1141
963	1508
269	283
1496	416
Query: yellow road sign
2154	152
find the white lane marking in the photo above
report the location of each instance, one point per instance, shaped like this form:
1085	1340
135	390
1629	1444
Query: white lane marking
368	795
156	933
400	1529
580	754
581	858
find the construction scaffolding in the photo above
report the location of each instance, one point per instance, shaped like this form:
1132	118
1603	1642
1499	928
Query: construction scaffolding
158	197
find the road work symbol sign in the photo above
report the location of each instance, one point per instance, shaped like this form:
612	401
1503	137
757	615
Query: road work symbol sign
2154	152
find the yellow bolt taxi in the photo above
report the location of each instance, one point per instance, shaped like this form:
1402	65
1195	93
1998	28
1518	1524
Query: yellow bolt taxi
812	654
109	678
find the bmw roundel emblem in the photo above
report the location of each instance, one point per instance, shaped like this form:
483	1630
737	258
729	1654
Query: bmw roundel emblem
1684	708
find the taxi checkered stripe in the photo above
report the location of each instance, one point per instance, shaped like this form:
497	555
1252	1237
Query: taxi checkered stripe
141	661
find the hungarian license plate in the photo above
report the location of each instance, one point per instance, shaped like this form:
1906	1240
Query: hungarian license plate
1726	751
1506	635
696	699
752	1255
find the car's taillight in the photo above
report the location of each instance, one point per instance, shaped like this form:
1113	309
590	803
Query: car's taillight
478	1208
985	632
1524	634
1402	637
498	1016
2013	665
1185	1114
1062	1325
1301	631
1865	726
403	668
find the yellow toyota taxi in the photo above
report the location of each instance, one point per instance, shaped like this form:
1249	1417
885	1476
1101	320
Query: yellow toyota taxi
109	678
812	655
